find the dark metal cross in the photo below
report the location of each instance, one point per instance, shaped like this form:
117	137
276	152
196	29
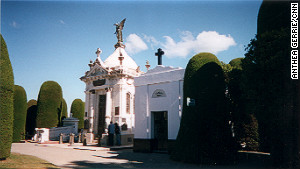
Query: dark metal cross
159	54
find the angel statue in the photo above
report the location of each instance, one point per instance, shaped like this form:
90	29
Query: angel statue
119	28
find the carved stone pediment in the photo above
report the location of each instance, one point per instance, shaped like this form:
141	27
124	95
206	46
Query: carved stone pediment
96	71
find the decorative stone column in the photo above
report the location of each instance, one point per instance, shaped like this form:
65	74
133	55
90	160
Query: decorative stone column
121	102
108	113
87	103
92	112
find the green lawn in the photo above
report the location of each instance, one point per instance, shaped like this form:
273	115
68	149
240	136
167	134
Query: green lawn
24	161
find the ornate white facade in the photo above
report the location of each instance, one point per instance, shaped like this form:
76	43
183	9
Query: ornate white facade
110	92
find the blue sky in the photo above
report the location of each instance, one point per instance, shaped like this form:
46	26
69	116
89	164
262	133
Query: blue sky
56	40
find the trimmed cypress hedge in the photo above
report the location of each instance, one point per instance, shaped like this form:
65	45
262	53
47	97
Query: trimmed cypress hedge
236	63
245	123
273	15
31	118
49	105
77	110
273	96
6	101
20	112
64	113
204	135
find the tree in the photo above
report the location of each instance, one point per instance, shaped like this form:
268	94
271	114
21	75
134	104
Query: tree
49	105
245	123
77	110
20	112
271	93
273	15
236	63
64	110
31	118
206	123
6	101
226	68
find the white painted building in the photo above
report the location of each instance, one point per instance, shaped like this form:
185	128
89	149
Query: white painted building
158	103
110	92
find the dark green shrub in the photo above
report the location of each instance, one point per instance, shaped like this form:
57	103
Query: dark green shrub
246	129
64	113
226	69
6	101
20	112
272	95
236	63
273	15
77	110
31	118
245	123
49	105
204	135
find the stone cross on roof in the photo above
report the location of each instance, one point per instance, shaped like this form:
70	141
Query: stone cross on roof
159	54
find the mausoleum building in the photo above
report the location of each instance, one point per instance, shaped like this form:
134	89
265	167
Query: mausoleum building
158	106
110	90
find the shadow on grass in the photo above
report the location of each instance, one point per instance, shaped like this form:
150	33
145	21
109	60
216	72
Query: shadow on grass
129	159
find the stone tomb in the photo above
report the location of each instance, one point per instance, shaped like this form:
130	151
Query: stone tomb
110	94
70	125
158	103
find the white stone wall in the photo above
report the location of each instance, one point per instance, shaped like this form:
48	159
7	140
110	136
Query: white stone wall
142	119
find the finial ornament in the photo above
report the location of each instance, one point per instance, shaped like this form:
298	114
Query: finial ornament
147	65
119	28
98	52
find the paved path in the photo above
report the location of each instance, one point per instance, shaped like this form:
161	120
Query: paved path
65	156
78	156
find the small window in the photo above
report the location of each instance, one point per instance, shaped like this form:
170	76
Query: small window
117	111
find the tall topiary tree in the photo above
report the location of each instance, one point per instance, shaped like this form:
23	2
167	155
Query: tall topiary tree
20	112
77	110
64	113
49	105
6	101
206	123
273	95
31	118
245	123
273	15
236	63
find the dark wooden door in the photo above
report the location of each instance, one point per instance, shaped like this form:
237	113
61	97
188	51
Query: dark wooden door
160	131
102	111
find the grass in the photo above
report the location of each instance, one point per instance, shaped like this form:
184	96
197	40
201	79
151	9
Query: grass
25	161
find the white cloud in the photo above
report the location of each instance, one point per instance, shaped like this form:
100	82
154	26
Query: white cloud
150	39
62	22
135	44
14	24
206	41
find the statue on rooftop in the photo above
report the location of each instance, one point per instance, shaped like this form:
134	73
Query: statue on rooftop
119	28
